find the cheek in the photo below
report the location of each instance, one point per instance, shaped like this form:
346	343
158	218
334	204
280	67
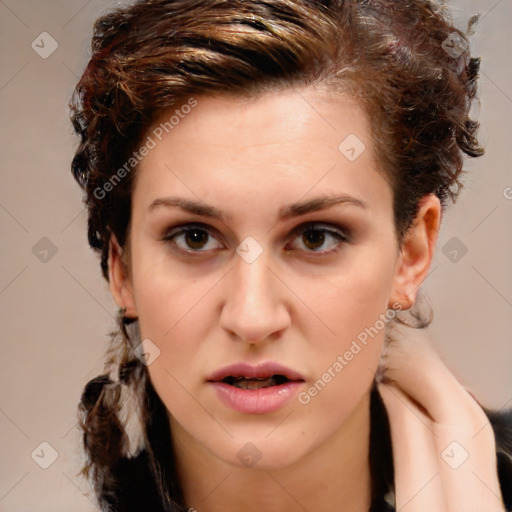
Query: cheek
165	292
347	343
177	316
175	312
350	302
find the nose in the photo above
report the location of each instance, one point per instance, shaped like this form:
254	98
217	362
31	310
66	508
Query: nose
254	309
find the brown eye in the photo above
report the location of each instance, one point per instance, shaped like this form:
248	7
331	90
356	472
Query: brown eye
313	238
196	238
191	238
320	240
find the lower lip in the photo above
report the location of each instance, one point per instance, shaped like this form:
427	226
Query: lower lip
257	401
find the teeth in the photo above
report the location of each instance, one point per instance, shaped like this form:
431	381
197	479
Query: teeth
254	383
243	383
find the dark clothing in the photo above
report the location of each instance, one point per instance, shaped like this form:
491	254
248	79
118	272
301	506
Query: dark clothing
138	492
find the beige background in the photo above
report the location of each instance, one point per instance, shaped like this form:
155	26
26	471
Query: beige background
55	315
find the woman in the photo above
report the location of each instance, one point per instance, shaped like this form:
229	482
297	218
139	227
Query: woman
265	181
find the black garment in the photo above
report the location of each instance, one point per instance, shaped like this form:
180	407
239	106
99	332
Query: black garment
138	492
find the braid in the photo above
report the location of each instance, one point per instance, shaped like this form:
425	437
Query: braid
102	434
111	415
126	433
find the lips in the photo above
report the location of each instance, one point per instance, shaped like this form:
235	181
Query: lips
245	376
256	389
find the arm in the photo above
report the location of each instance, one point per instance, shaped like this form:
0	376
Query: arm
444	447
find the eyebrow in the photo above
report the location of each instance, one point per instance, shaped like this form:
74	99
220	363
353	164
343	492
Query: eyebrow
285	212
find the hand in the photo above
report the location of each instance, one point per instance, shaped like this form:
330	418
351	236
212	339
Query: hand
444	449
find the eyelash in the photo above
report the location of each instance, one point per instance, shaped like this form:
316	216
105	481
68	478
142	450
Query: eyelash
341	236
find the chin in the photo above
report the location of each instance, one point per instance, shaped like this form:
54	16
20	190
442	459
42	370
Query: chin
261	452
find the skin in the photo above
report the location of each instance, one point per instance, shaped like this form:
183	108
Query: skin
211	308
435	420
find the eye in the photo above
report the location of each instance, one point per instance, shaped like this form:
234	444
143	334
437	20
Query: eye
191	238
195	238
313	238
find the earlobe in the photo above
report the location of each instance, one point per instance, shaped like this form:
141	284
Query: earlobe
416	252
119	281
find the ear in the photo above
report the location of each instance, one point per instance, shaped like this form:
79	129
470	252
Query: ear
119	280
416	252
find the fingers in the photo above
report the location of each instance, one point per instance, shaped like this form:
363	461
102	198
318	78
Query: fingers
417	369
437	429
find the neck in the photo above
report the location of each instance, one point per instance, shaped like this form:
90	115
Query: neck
334	477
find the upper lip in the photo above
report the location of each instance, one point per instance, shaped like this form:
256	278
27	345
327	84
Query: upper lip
260	371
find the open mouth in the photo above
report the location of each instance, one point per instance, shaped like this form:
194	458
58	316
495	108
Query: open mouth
255	383
256	389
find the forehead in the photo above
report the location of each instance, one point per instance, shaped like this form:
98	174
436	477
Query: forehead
279	145
269	120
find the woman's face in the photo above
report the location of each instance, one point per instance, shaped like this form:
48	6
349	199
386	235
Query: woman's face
252	283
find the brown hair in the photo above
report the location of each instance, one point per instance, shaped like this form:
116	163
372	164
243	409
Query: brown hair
404	61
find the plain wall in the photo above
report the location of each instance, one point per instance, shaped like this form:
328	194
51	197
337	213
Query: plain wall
55	315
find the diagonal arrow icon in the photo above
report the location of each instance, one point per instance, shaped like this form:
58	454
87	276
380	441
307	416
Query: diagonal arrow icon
44	455
351	147
249	249
44	250
44	45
